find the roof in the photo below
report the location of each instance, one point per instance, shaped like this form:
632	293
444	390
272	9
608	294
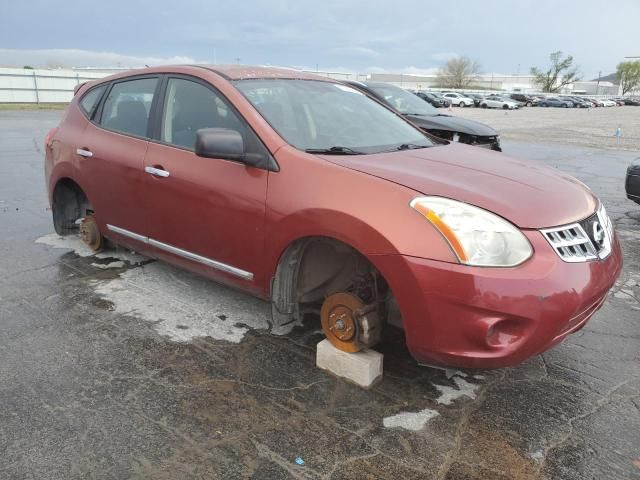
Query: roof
241	72
612	77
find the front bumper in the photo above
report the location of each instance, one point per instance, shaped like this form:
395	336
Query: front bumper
478	317
491	142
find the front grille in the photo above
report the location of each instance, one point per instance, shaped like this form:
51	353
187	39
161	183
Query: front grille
587	226
588	239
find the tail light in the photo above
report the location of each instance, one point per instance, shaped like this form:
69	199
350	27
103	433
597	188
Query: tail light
49	137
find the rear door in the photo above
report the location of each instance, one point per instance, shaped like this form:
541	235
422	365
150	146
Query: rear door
206	214
112	154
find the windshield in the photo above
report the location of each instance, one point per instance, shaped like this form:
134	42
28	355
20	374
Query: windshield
405	102
324	116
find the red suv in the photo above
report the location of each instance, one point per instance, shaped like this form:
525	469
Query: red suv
310	193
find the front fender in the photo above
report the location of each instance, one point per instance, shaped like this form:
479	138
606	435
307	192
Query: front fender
312	197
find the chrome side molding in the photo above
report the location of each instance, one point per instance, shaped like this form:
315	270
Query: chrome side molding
194	257
200	259
127	233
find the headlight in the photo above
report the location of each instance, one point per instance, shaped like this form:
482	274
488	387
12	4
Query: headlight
476	236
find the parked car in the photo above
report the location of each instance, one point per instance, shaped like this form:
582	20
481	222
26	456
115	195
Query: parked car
555	102
583	102
632	184
632	101
447	127
477	98
442	97
432	99
527	100
496	101
458	99
309	193
609	103
572	101
596	102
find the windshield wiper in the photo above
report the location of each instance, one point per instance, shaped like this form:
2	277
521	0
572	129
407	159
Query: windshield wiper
410	146
335	150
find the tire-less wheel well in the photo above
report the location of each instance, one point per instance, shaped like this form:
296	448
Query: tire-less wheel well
313	268
69	205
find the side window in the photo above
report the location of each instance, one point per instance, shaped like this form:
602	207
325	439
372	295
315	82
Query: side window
127	106
190	106
91	98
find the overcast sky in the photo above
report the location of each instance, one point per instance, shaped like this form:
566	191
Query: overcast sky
505	36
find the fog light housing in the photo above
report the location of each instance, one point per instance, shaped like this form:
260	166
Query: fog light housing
505	333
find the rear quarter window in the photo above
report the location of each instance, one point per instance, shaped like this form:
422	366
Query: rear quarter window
127	106
90	99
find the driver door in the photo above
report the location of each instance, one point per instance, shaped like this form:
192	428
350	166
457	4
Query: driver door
206	214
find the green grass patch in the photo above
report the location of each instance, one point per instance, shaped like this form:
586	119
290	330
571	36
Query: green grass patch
33	106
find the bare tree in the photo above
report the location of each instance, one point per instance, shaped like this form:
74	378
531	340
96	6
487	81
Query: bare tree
459	72
562	72
629	75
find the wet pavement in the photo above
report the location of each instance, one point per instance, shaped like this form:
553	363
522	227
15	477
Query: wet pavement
116	366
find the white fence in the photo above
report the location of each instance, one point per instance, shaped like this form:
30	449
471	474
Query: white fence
21	85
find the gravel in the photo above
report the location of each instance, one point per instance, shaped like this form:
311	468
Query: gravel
594	127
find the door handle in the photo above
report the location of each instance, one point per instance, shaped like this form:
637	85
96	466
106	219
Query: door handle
158	172
83	152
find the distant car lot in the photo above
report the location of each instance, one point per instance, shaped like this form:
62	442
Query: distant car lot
488	100
595	127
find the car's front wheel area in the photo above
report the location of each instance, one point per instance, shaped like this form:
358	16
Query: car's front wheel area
318	276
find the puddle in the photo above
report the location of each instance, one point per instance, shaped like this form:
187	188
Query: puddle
180	305
183	306
417	420
77	246
414	421
70	242
449	394
105	266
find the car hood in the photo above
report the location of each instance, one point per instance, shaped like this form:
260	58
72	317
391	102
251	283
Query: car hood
453	124
528	194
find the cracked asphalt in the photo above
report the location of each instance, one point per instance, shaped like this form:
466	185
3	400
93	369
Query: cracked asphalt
118	367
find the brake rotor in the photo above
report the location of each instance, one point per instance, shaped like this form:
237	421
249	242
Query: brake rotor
339	323
90	233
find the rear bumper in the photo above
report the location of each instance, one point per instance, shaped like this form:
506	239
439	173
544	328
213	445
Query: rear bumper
495	317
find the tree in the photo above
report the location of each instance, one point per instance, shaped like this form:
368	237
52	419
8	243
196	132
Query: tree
459	72
629	75
560	73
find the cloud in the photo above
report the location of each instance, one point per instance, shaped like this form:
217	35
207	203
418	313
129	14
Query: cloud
443	56
409	70
83	58
354	51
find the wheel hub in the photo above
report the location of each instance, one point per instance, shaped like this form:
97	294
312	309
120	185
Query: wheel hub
90	233
339	322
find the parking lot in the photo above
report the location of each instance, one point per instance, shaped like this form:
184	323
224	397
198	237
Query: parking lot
595	127
117	366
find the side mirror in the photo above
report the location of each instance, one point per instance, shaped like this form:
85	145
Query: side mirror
224	144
